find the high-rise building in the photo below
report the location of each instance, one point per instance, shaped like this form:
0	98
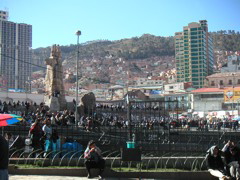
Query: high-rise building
15	52
194	53
3	15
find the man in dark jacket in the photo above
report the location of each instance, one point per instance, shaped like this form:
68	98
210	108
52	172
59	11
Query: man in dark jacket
215	164
36	133
3	158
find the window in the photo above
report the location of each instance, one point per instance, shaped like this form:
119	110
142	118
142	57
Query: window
211	96
212	83
238	81
230	82
221	82
170	87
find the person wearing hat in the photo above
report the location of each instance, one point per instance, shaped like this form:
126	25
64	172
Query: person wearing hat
232	159
94	159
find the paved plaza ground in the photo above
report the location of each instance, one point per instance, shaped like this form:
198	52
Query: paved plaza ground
36	177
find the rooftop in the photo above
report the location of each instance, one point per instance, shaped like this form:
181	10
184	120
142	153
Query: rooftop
208	90
226	74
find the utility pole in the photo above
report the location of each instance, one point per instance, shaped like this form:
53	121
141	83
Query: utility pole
78	33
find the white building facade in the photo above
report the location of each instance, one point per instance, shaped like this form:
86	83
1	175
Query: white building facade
176	87
148	82
233	64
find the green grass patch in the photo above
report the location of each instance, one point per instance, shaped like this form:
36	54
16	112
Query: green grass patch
29	166
117	169
148	170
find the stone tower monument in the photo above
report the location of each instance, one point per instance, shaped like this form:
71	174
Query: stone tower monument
55	96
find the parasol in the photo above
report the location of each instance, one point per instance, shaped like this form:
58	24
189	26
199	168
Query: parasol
8	119
236	118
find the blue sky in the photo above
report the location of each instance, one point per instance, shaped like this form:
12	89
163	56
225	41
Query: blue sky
56	21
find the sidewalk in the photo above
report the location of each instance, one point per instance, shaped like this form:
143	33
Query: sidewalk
36	177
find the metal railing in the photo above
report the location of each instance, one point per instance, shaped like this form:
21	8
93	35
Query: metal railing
150	124
113	160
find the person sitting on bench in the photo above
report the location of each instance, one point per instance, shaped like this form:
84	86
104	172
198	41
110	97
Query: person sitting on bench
93	159
215	164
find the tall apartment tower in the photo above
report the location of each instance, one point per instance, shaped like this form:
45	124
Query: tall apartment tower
194	53
3	15
15	52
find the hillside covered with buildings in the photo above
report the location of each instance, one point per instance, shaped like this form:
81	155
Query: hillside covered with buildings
120	62
196	68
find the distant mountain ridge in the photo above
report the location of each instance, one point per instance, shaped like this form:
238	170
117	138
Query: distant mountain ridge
143	47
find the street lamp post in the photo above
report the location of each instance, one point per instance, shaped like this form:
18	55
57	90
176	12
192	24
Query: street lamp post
28	87
78	33
233	94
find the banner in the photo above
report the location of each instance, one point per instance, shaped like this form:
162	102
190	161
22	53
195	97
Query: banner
232	95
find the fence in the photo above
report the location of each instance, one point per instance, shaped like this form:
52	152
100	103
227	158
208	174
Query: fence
154	126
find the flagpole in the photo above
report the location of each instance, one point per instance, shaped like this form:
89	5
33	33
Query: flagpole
233	94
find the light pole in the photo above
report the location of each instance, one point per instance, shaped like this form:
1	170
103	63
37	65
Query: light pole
78	33
233	94
28	87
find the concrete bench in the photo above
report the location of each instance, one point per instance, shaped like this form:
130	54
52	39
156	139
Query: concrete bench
81	172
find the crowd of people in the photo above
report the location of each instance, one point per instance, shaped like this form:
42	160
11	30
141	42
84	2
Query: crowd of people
221	163
92	155
31	112
43	136
149	116
110	115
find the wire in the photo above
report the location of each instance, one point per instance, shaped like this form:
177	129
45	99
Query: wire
26	62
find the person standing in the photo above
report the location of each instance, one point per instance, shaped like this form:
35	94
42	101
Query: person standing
35	134
94	159
9	138
4	153
47	130
55	142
